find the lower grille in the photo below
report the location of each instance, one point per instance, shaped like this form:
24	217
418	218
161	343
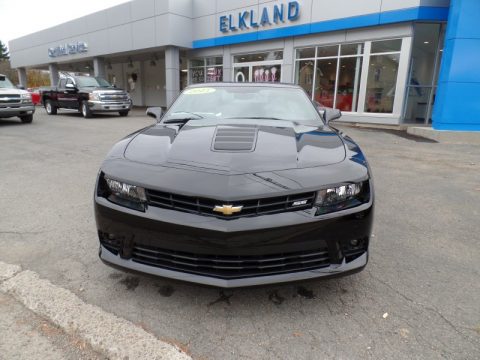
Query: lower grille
231	267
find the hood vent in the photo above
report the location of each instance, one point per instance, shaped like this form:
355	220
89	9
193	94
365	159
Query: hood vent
235	138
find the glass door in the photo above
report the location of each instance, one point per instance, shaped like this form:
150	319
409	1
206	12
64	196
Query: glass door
424	67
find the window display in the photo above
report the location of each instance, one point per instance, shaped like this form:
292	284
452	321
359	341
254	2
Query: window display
332	75
336	74
206	70
258	67
382	76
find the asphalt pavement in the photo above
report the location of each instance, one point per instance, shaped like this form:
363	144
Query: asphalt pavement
418	297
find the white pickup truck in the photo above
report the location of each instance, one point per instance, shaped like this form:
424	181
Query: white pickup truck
15	102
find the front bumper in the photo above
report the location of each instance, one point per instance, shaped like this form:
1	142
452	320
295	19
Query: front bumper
103	106
234	253
16	110
333	270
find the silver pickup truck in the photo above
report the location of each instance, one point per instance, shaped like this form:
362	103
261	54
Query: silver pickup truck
15	102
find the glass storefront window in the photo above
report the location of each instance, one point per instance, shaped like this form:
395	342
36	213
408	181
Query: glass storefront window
197	75
304	75
206	70
307	53
266	56
381	83
324	91
242	74
386	46
266	73
258	67
335	77
351	49
348	83
327	51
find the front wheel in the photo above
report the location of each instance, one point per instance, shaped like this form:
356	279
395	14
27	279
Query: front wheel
27	119
51	109
86	112
123	113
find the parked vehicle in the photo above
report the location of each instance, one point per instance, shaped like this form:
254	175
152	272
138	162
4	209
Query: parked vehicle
236	185
15	101
88	95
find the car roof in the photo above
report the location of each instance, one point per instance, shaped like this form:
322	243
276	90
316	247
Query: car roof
245	84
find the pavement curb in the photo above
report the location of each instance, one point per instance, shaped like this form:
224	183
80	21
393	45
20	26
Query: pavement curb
108	334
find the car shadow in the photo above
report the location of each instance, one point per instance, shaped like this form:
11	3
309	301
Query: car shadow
10	122
336	292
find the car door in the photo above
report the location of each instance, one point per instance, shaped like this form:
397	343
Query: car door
71	96
62	93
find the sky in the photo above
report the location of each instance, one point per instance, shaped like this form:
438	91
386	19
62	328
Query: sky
23	17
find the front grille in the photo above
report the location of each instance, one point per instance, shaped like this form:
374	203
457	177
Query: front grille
231	267
203	206
113	97
9	99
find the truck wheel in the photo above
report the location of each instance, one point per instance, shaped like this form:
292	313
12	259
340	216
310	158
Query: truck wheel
86	112
123	113
27	119
51	109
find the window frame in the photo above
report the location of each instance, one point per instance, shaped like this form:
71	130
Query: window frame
402	73
205	67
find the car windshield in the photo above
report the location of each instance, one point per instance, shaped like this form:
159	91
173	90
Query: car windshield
5	83
87	81
253	102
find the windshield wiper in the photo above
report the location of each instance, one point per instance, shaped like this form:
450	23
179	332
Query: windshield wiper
177	120
182	119
256	118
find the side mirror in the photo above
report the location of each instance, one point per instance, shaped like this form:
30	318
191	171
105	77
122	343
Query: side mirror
70	87
327	113
155	112
21	87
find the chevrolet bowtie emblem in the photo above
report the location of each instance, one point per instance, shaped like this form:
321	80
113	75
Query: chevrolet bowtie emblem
227	209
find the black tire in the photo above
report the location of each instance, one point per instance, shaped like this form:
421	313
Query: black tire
123	112
27	119
50	108
85	110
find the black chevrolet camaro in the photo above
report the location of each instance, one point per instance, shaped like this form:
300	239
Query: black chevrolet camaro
236	185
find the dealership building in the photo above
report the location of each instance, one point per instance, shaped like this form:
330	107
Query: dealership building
379	61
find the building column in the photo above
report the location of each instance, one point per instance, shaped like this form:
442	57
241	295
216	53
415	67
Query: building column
456	104
288	61
99	67
227	63
22	77
53	68
172	73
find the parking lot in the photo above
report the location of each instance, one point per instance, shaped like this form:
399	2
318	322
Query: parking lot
418	297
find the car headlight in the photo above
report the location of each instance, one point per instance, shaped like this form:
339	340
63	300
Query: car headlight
124	194
26	98
342	197
94	96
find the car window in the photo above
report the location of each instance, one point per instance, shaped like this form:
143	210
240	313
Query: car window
88	81
62	83
246	102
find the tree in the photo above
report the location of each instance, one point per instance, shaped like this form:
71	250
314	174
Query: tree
4	55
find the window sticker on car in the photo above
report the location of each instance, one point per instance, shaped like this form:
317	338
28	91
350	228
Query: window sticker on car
198	91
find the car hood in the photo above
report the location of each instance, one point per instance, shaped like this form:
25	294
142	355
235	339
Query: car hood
12	91
102	90
237	146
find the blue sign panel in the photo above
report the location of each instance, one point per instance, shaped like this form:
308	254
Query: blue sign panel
267	16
